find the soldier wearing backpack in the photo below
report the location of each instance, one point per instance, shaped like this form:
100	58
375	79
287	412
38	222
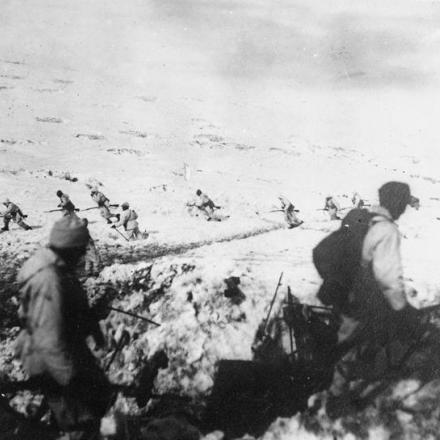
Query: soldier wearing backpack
373	309
128	220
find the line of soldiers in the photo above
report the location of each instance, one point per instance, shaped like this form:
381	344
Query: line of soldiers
57	319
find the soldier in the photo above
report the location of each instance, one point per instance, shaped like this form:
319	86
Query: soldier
357	201
56	321
13	212
92	260
332	206
205	205
289	213
67	207
103	204
376	321
128	220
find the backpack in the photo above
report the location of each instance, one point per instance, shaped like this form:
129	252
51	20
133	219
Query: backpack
337	257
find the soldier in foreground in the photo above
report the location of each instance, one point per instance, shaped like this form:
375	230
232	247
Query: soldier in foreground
67	207
290	216
376	319
13	212
332	206
129	221
56	320
103	203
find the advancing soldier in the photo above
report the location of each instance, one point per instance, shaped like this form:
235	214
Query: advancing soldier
92	260
56	321
377	319
103	204
13	212
205	205
332	206
289	213
414	202
357	201
67	207
128	220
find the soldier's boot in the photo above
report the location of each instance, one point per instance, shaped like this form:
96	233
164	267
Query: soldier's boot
6	221
23	225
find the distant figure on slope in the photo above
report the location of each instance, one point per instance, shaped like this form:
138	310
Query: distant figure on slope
129	221
103	203
13	212
56	321
332	206
67	207
289	210
414	202
92	260
204	204
357	201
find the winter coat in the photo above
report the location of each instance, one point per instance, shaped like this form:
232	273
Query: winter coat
12	210
128	220
203	201
66	204
100	199
56	319
378	291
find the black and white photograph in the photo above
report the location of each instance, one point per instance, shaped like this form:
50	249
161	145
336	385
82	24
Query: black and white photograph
219	220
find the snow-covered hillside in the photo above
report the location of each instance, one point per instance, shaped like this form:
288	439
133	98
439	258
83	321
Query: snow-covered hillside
253	100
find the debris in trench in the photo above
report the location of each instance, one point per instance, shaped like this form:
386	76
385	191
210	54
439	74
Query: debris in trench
233	292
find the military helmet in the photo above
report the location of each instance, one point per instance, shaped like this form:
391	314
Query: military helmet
59	193
6	202
125	205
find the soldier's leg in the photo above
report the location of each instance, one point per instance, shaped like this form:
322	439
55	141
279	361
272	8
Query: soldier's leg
6	220
105	213
22	224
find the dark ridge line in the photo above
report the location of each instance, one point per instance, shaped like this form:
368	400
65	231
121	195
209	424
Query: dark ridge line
149	253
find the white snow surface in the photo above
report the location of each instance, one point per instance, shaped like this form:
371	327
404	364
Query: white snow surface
303	99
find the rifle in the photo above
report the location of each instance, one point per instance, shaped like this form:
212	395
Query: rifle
121	234
282	210
271	304
114	205
133	315
59	210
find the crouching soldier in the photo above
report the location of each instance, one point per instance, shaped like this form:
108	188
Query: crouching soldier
332	206
13	212
128	220
290	216
204	204
56	321
67	207
103	203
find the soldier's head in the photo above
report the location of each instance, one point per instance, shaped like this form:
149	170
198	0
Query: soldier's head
93	192
394	196
68	238
6	202
125	206
198	192
59	193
